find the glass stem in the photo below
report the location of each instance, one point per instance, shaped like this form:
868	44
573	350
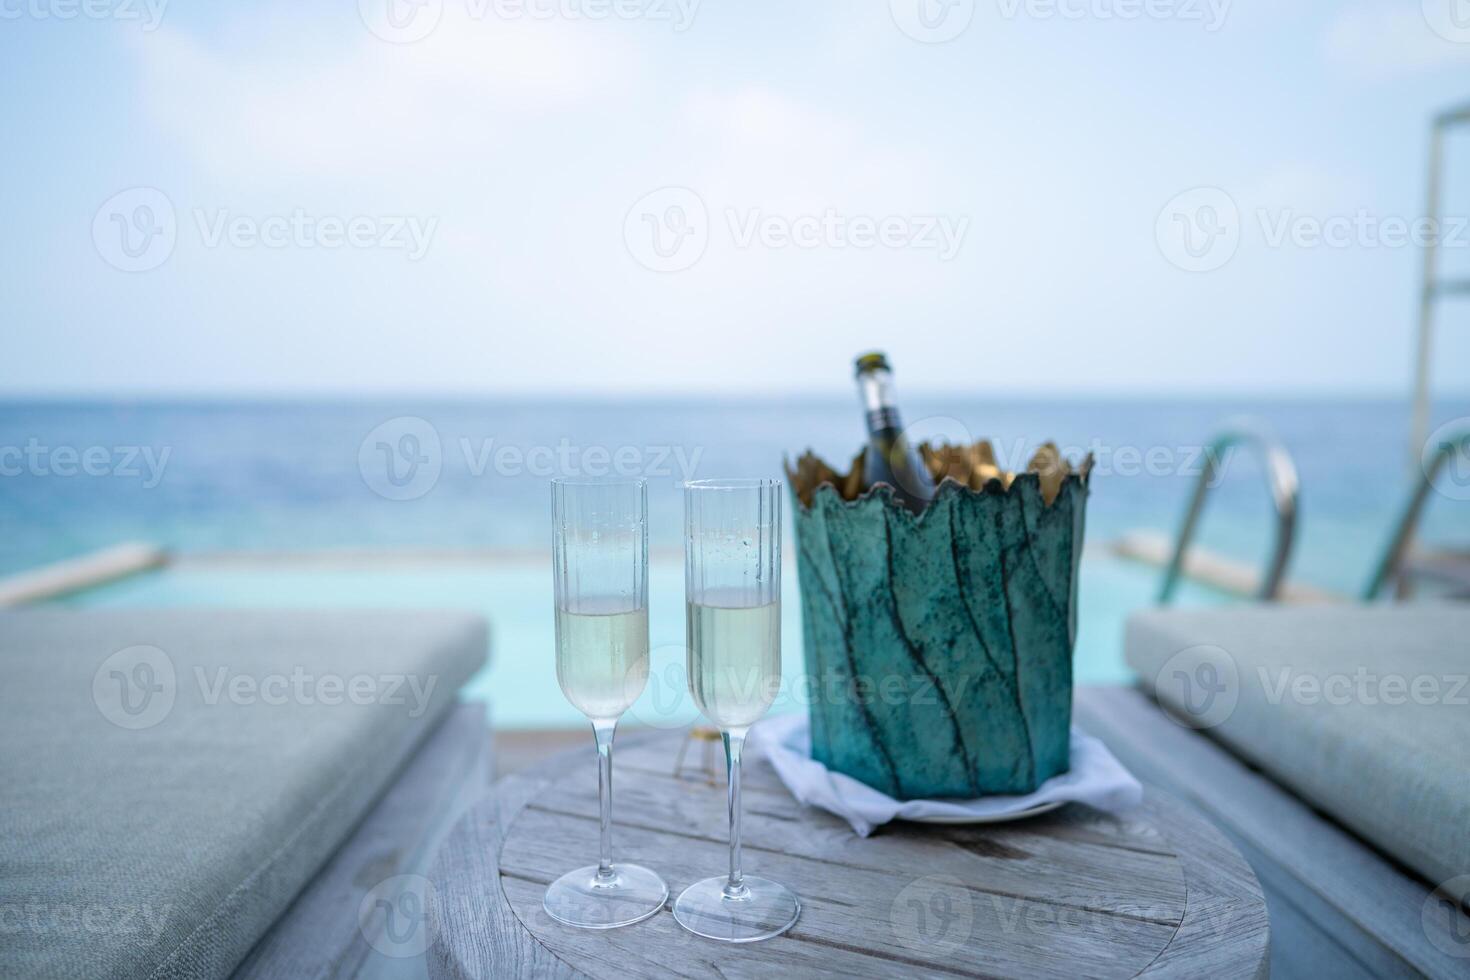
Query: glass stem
734	742
603	731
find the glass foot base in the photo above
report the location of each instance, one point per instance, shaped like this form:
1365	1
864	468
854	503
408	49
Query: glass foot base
580	898
763	909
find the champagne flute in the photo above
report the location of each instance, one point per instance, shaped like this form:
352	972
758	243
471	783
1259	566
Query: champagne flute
600	559
732	582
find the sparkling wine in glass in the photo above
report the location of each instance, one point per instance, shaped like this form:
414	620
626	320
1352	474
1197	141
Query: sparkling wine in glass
600	566
732	584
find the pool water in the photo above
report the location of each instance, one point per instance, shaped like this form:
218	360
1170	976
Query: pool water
516	596
248	479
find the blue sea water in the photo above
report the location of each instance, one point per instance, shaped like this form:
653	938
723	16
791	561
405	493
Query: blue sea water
303	476
254	479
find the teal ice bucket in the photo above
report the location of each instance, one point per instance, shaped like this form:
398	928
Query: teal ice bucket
939	647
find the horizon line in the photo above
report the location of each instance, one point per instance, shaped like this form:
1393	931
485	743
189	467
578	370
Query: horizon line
910	392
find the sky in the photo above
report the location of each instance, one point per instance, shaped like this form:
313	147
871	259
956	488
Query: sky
642	197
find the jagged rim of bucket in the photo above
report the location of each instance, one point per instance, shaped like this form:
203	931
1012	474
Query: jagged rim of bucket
1080	473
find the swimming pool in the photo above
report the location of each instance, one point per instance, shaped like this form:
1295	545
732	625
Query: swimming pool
515	595
247	479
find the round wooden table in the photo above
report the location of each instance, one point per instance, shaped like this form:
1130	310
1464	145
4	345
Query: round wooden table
1074	893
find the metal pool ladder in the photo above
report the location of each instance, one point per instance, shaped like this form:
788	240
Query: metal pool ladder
1285	490
1398	558
1399	563
1434	288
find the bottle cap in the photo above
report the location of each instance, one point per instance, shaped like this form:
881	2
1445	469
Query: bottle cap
875	361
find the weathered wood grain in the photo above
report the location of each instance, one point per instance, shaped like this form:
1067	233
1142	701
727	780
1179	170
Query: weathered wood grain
472	931
1075	893
1225	933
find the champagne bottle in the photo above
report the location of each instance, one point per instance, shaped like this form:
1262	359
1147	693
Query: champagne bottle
889	459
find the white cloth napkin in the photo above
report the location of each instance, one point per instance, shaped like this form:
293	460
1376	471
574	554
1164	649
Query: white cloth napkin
1096	779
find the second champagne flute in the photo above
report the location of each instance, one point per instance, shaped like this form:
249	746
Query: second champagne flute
600	558
732	584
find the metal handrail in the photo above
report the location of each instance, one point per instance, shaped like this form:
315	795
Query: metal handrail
1432	288
1449	117
1403	539
1281	481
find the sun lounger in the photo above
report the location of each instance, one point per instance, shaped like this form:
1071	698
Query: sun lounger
1346	786
174	780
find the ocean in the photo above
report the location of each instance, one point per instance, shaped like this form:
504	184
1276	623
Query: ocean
427	475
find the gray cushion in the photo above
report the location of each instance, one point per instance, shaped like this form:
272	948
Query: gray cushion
162	835
1363	712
